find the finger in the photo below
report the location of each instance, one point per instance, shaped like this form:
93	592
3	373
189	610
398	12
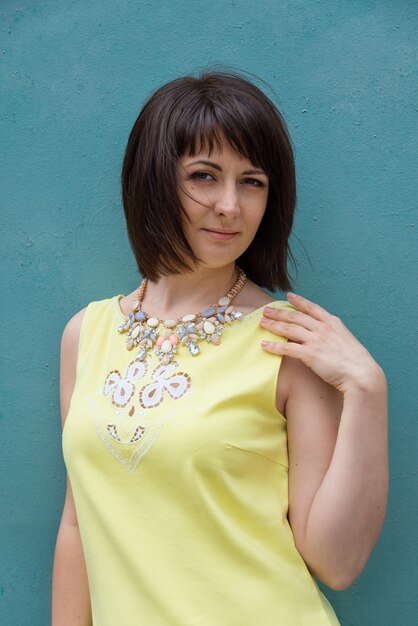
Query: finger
294	317
283	329
309	307
284	348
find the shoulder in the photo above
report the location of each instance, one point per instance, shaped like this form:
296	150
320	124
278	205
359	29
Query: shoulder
252	298
72	329
71	333
68	360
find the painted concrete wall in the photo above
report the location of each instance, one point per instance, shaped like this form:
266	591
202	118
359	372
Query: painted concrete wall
73	77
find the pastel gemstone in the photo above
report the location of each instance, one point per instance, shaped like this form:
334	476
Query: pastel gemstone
166	359
209	328
208	312
166	346
153	322
189	318
160	341
140	316
135	304
224	301
216	339
135	332
173	340
170	323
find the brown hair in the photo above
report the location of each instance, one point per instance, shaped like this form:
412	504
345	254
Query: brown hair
181	117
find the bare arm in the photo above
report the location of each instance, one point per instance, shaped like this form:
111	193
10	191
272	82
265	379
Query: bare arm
337	438
70	590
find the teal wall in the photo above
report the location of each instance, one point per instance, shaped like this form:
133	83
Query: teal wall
73	77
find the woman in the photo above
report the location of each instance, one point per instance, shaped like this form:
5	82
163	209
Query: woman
221	452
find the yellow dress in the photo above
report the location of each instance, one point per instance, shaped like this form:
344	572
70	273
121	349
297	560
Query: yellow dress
180	481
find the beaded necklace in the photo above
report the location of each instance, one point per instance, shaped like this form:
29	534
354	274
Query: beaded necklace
189	330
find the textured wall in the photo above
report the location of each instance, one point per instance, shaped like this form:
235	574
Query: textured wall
73	76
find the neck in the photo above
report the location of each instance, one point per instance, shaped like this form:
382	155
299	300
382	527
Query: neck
179	294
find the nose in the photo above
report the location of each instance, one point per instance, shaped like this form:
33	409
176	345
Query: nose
227	202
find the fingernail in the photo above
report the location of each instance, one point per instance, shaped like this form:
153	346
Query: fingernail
268	309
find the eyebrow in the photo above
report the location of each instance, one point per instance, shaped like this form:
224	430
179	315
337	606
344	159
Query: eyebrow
218	167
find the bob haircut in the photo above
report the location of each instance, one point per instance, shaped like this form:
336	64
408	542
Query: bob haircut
185	116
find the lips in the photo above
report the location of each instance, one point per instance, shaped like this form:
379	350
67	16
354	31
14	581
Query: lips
222	235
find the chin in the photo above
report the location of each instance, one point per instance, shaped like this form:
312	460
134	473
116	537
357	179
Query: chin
217	261
220	253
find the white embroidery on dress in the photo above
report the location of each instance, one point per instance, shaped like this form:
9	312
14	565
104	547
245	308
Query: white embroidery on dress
133	431
175	384
128	453
122	386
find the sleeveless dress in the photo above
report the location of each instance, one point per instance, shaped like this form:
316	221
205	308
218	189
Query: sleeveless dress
180	480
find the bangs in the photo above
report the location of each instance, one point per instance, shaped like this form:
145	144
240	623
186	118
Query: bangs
204	128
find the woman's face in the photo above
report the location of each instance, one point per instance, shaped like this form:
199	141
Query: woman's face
224	197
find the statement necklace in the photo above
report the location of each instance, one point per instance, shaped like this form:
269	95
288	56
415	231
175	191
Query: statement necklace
189	330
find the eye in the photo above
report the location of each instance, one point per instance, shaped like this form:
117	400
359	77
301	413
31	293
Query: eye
201	176
253	182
